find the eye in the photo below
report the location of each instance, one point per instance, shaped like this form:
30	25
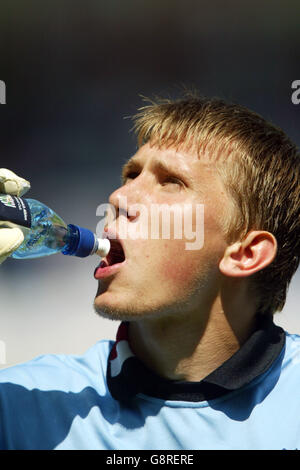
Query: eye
172	180
131	175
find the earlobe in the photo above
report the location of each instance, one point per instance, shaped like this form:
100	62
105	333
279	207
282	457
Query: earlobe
256	251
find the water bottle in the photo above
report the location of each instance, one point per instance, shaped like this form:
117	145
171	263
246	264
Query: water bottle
45	233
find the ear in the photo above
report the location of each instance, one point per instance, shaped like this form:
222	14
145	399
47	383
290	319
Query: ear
256	251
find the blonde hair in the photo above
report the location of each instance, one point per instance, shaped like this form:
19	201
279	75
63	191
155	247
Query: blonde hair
259	166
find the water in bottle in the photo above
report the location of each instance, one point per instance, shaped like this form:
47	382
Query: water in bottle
45	233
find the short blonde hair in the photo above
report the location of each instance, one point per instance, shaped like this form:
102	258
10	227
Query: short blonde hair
260	168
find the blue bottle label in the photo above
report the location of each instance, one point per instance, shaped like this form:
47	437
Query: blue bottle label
15	209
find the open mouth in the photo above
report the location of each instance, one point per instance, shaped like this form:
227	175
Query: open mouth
116	253
112	263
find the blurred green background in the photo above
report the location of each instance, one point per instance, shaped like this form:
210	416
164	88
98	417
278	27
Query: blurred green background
74	71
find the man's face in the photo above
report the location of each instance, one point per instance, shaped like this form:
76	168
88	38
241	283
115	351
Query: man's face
163	276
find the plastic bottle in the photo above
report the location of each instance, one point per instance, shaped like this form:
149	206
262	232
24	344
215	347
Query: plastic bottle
45	233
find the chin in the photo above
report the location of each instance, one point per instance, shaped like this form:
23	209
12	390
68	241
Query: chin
116	305
132	311
107	307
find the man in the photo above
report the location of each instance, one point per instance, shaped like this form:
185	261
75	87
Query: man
198	362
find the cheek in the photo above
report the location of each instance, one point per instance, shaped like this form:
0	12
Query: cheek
179	266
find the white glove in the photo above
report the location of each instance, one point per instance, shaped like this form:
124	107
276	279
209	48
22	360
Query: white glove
11	237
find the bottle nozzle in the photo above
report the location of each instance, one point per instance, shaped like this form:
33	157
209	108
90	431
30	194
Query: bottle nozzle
103	247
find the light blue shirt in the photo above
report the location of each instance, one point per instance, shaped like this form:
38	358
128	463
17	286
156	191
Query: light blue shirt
63	402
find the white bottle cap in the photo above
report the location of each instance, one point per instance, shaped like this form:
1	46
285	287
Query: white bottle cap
103	247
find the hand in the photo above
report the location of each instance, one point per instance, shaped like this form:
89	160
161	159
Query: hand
11	237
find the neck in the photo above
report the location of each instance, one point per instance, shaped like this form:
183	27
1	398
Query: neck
191	346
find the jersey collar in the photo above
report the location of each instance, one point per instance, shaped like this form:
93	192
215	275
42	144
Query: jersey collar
127	376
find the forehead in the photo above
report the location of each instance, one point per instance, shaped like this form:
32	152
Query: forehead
169	155
188	164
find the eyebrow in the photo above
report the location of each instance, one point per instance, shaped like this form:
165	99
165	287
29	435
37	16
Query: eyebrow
133	164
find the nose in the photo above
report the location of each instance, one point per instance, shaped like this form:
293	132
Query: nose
124	197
